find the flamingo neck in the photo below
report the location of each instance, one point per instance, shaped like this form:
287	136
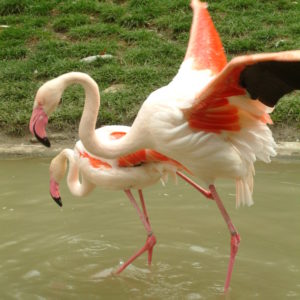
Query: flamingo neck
105	148
91	105
58	169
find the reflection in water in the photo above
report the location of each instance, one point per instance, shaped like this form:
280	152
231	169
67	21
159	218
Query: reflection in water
72	253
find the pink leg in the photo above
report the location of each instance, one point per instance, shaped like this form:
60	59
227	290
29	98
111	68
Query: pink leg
204	192
235	237
151	240
150	251
144	206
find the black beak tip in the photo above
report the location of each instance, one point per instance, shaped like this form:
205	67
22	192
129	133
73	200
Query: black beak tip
45	141
58	201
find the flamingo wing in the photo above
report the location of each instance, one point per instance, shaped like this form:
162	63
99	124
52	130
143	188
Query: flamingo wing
205	46
263	77
271	76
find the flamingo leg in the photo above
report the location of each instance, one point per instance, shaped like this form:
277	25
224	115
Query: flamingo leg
204	192
150	250
235	237
144	206
151	239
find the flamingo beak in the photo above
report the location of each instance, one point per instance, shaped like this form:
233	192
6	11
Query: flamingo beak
37	126
57	200
54	192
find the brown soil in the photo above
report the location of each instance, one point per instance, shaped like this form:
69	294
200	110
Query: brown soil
284	133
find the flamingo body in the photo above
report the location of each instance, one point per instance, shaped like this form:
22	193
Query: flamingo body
107	174
223	143
138	173
114	174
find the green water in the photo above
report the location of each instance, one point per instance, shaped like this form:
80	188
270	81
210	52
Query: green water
52	253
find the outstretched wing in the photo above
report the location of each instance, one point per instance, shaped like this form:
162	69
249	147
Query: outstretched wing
263	77
270	79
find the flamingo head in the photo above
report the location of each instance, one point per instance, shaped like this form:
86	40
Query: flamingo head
46	100
57	170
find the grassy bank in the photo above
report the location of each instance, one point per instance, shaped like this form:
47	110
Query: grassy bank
146	38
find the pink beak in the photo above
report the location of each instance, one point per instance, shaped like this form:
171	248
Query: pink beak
37	125
54	192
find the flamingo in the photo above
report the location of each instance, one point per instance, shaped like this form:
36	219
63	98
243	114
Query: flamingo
131	172
211	118
134	171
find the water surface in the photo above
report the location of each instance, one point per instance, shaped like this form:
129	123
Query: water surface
69	253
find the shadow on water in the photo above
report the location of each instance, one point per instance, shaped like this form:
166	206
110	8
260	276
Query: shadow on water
71	253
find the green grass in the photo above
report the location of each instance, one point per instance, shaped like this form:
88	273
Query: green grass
147	39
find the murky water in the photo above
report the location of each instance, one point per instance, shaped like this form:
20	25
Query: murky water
52	253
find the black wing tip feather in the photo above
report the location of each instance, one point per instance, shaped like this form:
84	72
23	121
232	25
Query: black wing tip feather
268	81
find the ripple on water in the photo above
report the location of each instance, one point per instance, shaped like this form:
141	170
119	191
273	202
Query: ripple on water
293	268
8	244
102	274
161	279
194	296
292	294
24	250
198	249
93	247
32	274
196	265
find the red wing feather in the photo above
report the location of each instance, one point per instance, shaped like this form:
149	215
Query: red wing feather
144	156
133	159
212	112
215	115
96	162
205	46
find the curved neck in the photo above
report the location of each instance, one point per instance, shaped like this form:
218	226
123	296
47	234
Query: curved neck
91	105
105	148
58	169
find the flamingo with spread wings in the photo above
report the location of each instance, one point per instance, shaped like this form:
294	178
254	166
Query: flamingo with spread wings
211	118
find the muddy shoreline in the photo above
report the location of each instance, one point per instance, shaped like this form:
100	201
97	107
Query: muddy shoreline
28	147
288	140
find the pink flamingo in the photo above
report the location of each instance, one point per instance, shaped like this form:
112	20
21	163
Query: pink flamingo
212	118
134	171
